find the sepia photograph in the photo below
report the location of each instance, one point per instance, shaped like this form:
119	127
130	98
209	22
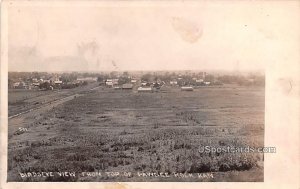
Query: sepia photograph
137	92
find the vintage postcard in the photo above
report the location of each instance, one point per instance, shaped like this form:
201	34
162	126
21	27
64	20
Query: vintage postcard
150	94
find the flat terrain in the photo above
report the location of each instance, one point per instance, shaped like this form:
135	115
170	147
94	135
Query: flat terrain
20	100
106	130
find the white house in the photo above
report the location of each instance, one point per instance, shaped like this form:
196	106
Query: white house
187	88
133	81
199	80
109	83
117	87
58	82
145	89
36	84
173	82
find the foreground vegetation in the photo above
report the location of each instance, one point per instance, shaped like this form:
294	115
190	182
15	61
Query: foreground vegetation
107	130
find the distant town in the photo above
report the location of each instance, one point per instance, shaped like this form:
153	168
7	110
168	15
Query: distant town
138	121
141	81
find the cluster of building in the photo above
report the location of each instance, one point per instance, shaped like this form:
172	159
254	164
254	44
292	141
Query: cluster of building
148	82
186	84
49	83
34	83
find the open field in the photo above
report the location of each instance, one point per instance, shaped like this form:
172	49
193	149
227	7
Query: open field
17	95
125	131
20	100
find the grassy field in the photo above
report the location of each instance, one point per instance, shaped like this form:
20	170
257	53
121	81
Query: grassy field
124	131
20	100
17	95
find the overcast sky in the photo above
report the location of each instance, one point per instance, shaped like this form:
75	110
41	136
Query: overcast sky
221	35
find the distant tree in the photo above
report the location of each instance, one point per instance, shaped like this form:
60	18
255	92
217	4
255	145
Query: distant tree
146	77
45	85
123	80
113	74
168	77
156	85
209	78
125	74
66	78
181	82
100	78
228	79
36	75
